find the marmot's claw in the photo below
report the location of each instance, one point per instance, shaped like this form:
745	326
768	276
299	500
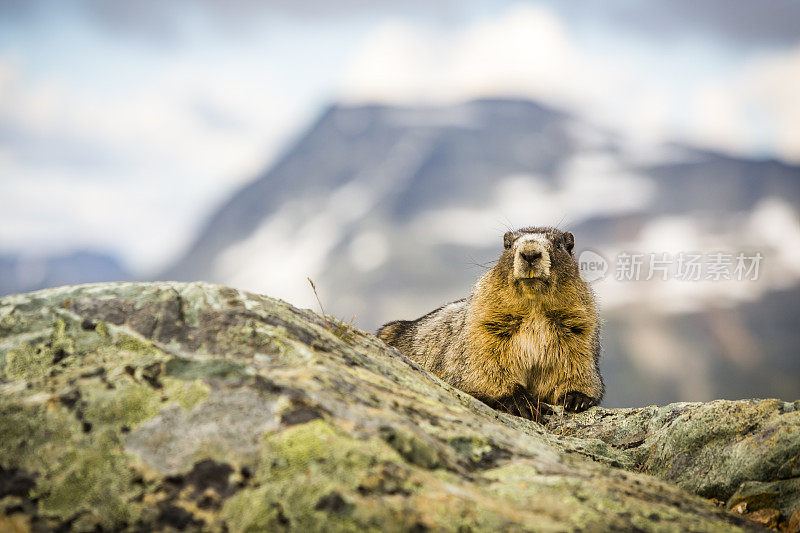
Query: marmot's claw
577	401
521	403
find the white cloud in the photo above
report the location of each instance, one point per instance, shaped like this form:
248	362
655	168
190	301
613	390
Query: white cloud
717	118
771	229
647	91
755	108
524	52
774	222
130	169
368	250
772	84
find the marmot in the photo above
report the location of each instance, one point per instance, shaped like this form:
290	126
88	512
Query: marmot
528	335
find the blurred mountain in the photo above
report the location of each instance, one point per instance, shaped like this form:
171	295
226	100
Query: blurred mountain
396	210
23	273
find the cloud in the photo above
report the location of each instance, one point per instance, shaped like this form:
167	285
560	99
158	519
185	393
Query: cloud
525	51
740	22
772	85
160	21
131	170
755	108
750	233
99	137
684	94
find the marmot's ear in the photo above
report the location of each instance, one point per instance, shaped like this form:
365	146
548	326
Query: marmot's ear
569	241
508	239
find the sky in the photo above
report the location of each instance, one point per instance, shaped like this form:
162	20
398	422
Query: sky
124	124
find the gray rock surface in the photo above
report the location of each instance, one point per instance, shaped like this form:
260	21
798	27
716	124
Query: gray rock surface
161	406
745	451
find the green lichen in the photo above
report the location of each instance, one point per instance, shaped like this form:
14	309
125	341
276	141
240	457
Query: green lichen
9	323
414	448
473	448
265	343
129	343
33	437
60	342
191	369
95	479
186	394
77	472
101	328
253	511
344	332
306	470
127	404
554	494
316	448
238	337
29	362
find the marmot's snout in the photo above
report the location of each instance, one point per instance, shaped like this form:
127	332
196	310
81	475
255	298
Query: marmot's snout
532	258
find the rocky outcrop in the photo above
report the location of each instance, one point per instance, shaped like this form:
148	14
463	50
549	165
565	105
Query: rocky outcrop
193	406
741	452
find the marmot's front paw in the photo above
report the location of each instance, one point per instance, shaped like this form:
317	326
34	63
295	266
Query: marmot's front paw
577	401
521	403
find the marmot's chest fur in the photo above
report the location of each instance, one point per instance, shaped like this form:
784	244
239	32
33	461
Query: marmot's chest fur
528	334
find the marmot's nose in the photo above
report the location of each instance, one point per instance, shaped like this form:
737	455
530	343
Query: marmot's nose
531	257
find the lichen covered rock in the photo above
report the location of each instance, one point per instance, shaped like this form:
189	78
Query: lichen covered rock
741	452
160	406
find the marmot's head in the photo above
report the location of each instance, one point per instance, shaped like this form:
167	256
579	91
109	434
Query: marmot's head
538	258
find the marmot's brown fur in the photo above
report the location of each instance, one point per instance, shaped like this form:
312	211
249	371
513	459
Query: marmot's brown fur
528	335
